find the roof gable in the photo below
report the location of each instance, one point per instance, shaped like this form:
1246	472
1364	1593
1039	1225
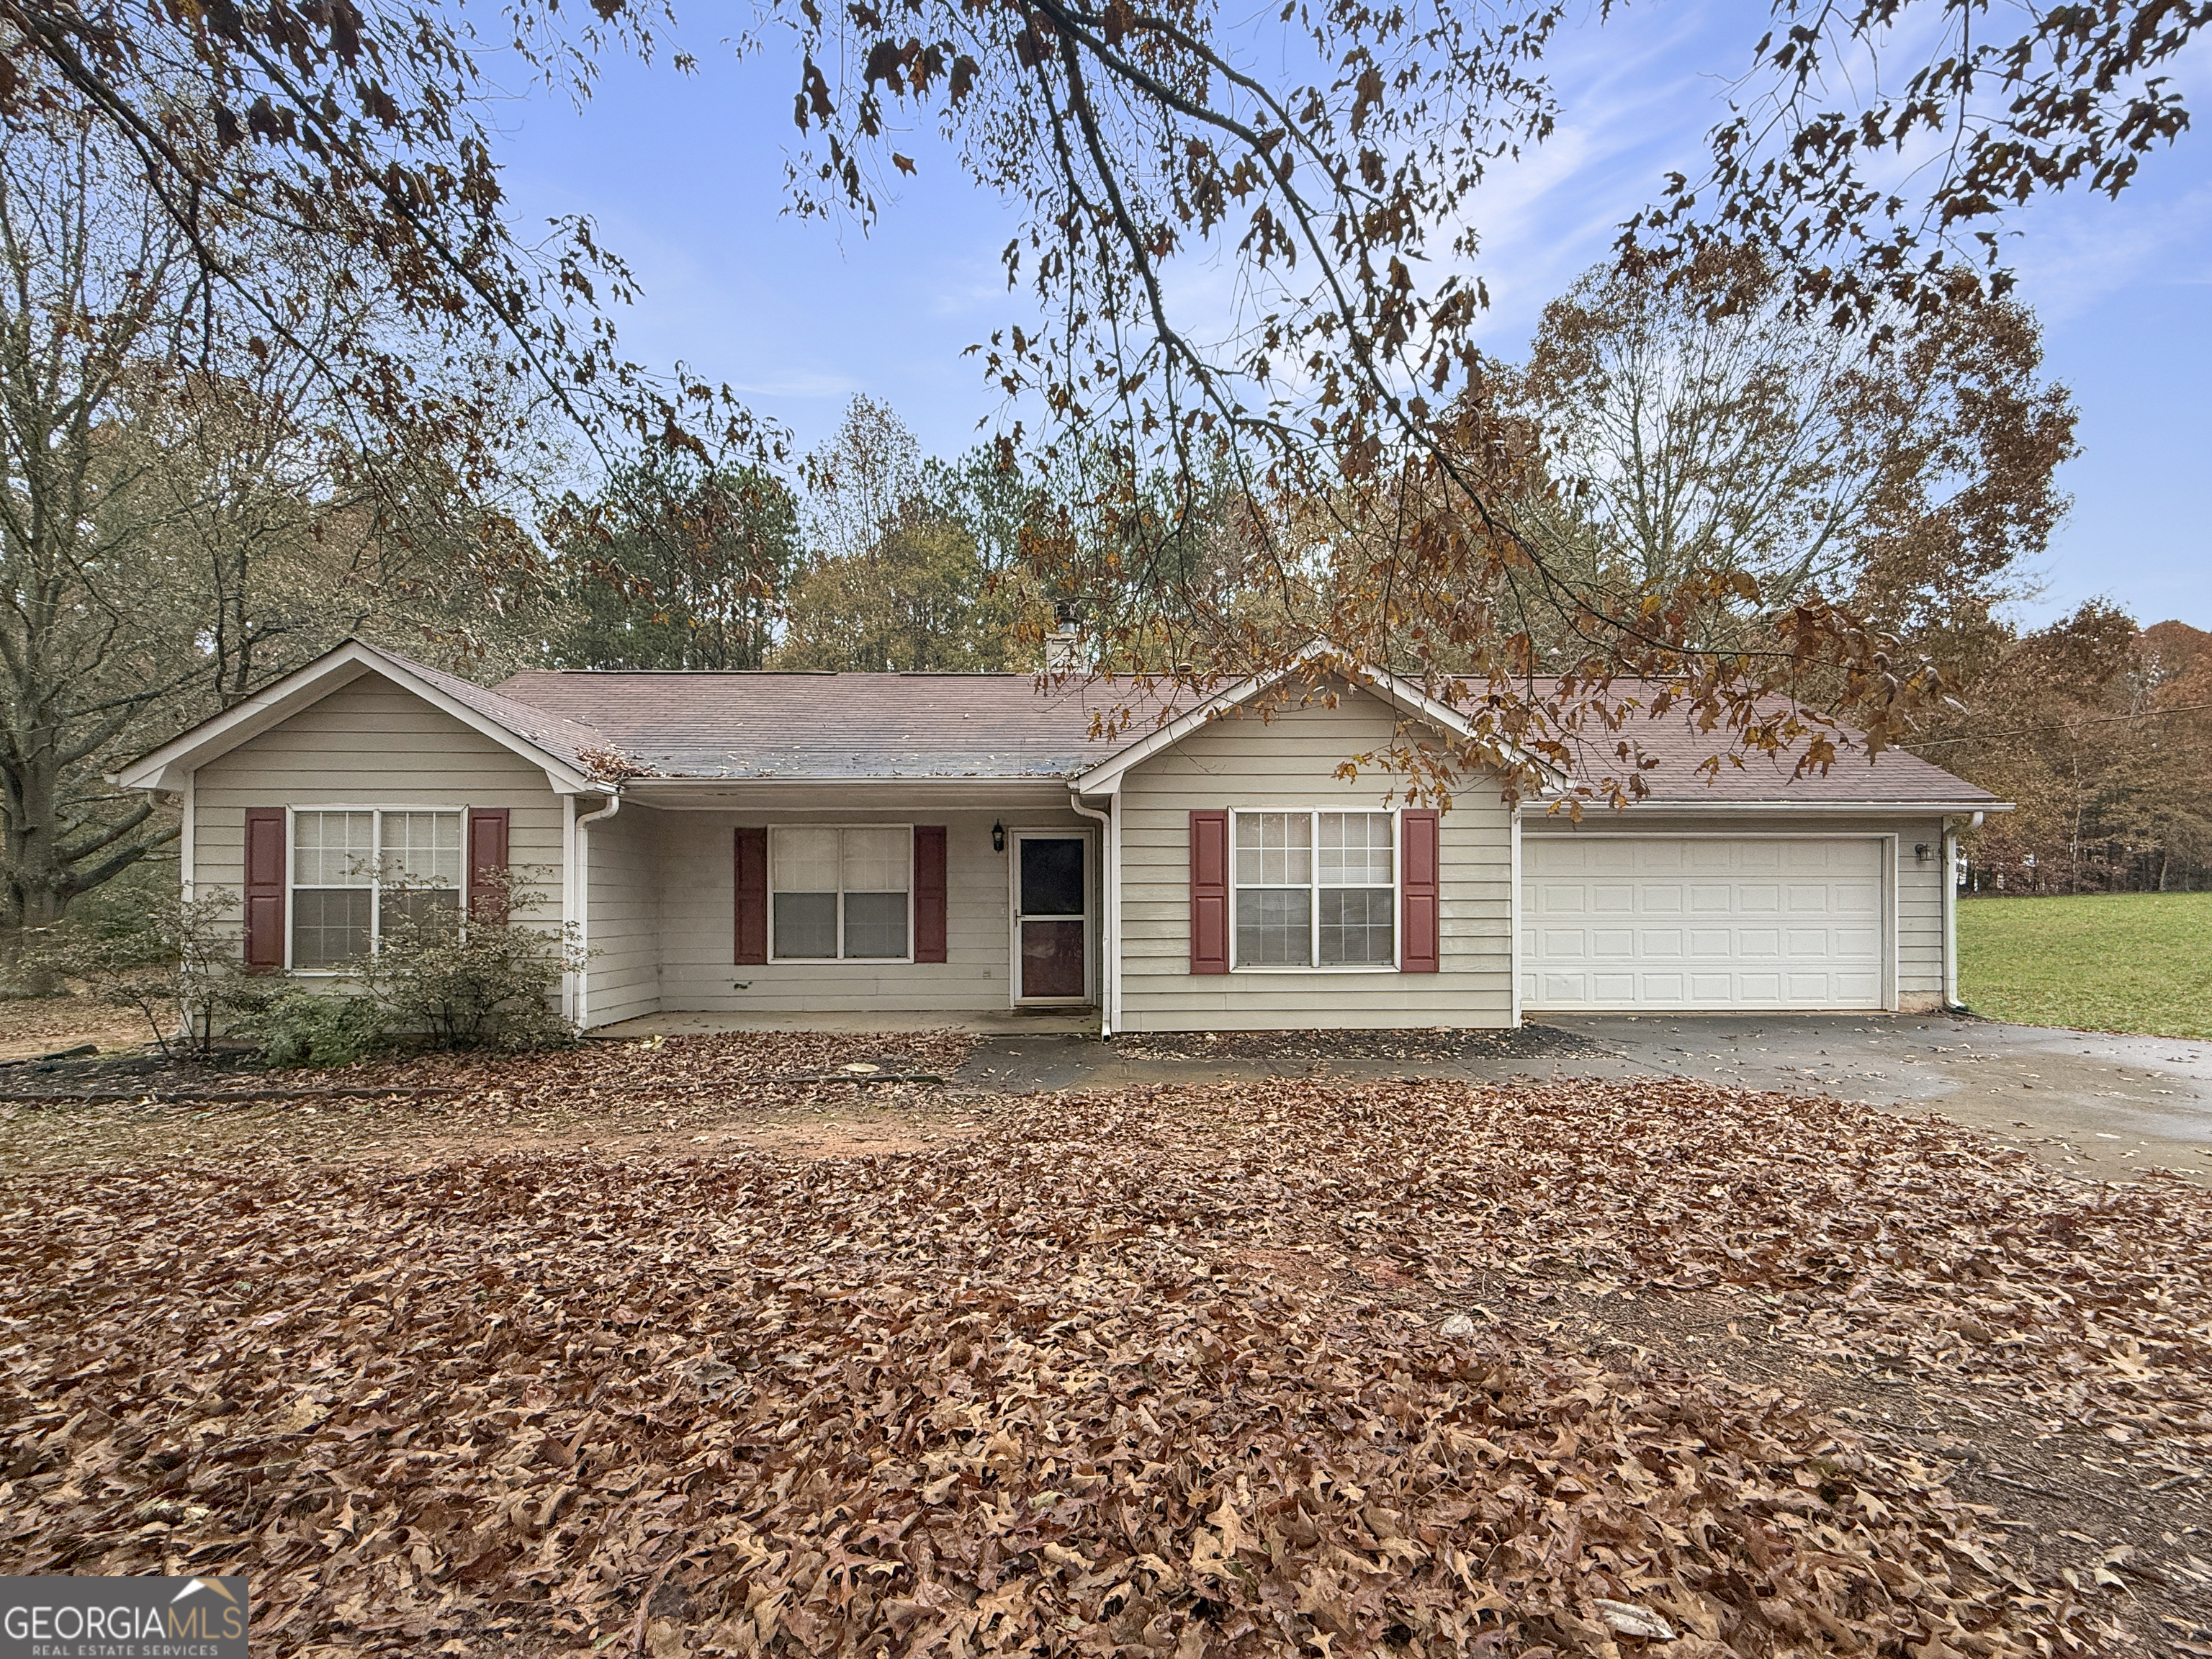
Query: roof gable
576	759
1321	658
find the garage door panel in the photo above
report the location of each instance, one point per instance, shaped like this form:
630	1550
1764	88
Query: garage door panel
1806	898
1713	922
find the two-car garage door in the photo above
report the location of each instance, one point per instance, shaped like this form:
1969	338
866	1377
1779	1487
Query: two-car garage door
1636	922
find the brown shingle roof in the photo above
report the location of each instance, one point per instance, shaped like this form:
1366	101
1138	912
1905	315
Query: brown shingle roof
573	742
842	727
1892	777
849	726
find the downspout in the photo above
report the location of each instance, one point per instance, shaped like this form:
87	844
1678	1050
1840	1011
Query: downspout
1109	959
1950	853
188	865
580	1014
1513	917
188	838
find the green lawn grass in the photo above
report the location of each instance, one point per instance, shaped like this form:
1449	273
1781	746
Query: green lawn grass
2114	962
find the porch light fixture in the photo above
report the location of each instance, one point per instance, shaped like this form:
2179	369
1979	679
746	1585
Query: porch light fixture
1920	852
998	837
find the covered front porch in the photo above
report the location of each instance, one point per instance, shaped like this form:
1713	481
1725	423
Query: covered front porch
763	904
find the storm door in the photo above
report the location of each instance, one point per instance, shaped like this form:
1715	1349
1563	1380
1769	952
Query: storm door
1052	917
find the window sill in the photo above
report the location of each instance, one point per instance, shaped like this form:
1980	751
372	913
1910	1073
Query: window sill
839	962
1344	968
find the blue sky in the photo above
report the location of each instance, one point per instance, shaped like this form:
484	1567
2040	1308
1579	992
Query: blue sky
684	178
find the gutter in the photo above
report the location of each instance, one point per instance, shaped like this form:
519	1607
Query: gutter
1539	808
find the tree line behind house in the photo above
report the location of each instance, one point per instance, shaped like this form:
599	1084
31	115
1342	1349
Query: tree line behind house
192	507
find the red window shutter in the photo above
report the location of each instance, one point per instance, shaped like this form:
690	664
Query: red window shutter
1420	835
487	894
264	889
1209	892
752	896
929	892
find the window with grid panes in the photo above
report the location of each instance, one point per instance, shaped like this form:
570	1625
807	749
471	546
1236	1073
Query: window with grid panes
356	874
1316	889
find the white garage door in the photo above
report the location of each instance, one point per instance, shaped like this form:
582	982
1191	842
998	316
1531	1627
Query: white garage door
1629	922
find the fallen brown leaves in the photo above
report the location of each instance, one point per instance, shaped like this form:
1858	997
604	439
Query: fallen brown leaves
1066	1387
752	1086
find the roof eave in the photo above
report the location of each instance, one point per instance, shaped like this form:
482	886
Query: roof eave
1543	805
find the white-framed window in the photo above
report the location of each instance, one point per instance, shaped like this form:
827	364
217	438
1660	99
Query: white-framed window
1314	889
841	894
356	871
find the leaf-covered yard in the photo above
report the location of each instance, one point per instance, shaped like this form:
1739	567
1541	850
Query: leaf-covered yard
632	1351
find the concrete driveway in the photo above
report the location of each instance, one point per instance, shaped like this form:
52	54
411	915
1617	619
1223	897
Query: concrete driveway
2101	1106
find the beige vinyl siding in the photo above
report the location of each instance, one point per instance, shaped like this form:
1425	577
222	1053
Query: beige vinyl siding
372	744
1916	884
1290	763
624	929
699	917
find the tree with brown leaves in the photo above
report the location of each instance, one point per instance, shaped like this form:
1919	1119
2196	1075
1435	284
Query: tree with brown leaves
2102	732
1336	186
1694	420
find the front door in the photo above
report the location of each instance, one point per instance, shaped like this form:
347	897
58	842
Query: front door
1052	908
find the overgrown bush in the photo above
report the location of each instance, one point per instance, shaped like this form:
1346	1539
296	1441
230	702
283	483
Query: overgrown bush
473	980
438	978
300	1027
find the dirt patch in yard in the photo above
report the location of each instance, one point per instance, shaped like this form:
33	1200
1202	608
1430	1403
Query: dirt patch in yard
803	1094
40	1025
1414	1368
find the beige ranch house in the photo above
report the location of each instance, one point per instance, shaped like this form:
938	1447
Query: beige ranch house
799	845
